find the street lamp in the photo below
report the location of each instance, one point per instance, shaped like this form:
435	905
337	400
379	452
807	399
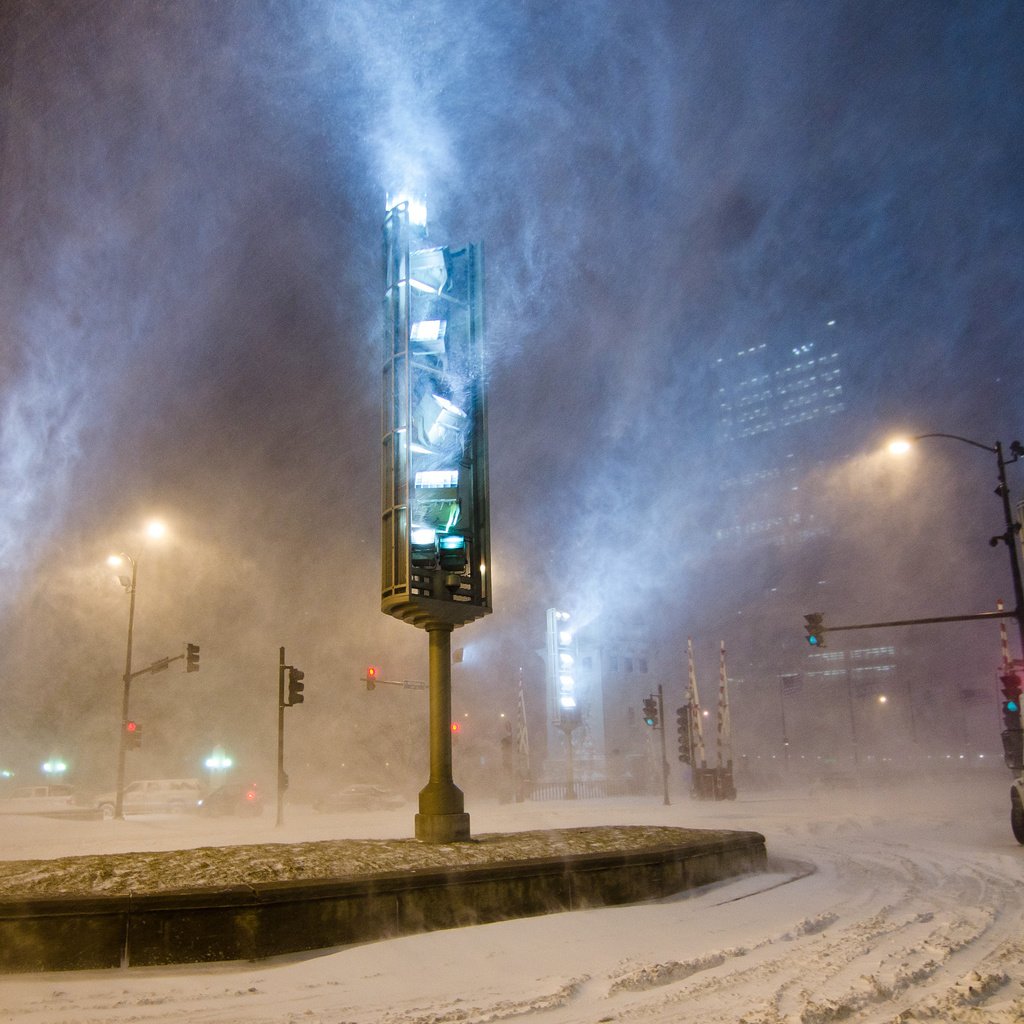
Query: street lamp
900	446
155	530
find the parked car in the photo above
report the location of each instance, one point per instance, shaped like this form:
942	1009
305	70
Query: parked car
38	800
154	796
239	798
360	797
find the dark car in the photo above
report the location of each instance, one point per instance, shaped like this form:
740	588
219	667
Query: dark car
360	797
238	798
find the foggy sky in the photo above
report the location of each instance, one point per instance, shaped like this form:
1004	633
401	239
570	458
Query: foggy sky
191	197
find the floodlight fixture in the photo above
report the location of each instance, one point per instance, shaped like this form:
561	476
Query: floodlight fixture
427	337
439	419
430	270
437	479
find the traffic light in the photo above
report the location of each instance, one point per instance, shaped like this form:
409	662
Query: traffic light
371	677
683	731
133	735
815	629
295	686
651	711
456	728
191	657
1012	737
1011	684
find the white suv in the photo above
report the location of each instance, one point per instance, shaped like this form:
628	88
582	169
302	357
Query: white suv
154	796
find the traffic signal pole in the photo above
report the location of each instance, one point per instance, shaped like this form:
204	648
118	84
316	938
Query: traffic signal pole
280	741
664	753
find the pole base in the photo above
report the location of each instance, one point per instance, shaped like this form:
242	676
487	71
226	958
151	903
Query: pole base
442	828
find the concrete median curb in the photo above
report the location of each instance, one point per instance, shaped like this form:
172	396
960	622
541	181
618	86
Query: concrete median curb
248	922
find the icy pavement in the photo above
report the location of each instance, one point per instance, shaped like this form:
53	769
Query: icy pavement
901	905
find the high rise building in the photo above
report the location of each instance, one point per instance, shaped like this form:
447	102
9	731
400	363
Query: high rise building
771	402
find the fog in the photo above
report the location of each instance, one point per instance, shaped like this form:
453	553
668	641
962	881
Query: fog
191	198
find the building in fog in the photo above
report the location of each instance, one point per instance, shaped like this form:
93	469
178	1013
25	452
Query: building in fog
614	671
772	399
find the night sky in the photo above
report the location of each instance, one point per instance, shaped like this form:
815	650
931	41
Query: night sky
191	198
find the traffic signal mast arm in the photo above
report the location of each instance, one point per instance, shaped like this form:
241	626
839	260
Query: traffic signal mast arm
191	654
406	684
923	622
157	666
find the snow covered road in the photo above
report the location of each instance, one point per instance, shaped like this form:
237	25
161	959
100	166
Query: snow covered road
897	905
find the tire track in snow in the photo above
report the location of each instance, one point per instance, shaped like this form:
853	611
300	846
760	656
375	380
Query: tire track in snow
944	946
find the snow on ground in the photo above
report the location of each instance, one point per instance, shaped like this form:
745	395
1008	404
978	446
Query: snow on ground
900	904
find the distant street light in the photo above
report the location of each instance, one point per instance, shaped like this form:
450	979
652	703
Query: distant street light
154	529
900	446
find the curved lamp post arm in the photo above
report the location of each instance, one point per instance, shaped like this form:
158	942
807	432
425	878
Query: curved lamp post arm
994	449
1013	528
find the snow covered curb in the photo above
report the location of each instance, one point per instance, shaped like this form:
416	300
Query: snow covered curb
496	878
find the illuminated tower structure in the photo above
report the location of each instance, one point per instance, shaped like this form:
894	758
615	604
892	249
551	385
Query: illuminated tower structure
597	676
435	528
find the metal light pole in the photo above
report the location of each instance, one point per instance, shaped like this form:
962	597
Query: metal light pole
154	529
122	742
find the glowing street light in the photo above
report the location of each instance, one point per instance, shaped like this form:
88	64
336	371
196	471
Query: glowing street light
218	761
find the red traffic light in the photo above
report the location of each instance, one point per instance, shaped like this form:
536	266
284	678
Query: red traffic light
131	726
1011	686
456	727
371	672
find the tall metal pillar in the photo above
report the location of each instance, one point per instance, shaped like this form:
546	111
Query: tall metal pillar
442	817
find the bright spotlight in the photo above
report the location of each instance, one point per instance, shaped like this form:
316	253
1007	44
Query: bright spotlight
899	446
